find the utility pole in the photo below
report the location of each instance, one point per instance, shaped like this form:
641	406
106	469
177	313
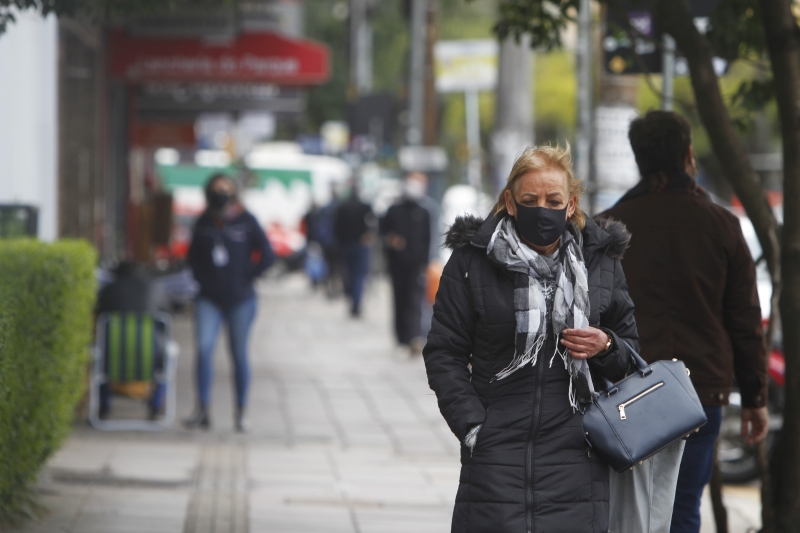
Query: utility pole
668	67
583	141
473	139
416	84
430	128
514	118
360	48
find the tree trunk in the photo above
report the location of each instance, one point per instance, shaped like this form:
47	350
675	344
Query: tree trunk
430	129
676	18
780	29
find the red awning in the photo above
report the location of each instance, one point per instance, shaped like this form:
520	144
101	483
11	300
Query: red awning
251	57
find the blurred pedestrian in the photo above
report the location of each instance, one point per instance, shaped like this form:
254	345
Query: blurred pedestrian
316	267
435	266
693	280
531	300
355	233
229	250
406	230
325	235
131	291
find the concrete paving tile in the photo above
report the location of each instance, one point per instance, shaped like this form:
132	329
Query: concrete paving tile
154	461
300	519
404	520
117	510
83	454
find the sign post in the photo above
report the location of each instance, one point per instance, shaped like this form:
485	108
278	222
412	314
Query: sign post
583	152
668	63
468	66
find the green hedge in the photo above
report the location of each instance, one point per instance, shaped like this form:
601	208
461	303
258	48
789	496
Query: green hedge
47	295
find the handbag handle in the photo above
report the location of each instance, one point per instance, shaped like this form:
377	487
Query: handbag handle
633	357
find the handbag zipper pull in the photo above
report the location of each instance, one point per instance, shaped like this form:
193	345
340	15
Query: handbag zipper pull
622	412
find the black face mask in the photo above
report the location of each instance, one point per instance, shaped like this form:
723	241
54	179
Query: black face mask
218	200
539	225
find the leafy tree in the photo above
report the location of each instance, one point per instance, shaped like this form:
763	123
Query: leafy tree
743	30
97	9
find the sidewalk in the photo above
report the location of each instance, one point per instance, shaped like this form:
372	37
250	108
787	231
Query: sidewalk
345	437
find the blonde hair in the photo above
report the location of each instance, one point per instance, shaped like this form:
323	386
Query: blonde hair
543	158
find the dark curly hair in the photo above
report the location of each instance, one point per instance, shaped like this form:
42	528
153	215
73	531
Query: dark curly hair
660	142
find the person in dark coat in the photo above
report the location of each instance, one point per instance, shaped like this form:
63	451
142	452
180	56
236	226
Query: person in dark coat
694	284
320	223
532	303
229	250
354	228
132	291
406	228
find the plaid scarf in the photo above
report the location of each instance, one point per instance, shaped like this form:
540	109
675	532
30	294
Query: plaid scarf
570	307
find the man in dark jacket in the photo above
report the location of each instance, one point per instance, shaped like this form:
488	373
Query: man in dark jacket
354	228
693	281
407	234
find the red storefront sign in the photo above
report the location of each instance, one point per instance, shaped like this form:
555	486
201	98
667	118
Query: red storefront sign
163	133
251	57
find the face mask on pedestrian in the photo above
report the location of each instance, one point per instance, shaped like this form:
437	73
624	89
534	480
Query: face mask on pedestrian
539	225
414	189
218	200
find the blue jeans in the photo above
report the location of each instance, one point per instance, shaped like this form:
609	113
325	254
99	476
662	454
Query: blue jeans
208	320
695	473
356	258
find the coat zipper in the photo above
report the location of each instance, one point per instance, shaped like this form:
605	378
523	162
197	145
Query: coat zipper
537	409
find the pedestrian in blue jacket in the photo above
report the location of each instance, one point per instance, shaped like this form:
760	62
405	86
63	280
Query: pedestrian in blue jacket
229	250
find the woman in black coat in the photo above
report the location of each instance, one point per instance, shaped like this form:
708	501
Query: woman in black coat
531	304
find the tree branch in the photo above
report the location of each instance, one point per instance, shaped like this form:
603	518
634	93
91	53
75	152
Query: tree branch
676	18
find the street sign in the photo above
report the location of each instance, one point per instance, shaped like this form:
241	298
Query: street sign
465	66
250	57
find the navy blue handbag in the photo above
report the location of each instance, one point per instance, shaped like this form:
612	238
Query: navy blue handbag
642	414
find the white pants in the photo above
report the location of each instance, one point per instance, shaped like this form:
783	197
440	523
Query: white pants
641	499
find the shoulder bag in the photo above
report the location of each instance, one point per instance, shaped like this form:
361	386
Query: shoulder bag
642	414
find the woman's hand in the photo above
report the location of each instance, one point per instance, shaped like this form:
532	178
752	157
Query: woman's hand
584	343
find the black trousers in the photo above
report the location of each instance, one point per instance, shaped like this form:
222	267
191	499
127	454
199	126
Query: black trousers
408	284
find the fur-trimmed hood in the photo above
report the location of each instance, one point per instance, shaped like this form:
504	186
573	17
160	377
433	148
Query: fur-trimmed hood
599	233
462	231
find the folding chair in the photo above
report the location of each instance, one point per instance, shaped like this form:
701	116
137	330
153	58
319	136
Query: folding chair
133	347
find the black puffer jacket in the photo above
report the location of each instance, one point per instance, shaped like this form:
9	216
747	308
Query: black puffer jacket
530	470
